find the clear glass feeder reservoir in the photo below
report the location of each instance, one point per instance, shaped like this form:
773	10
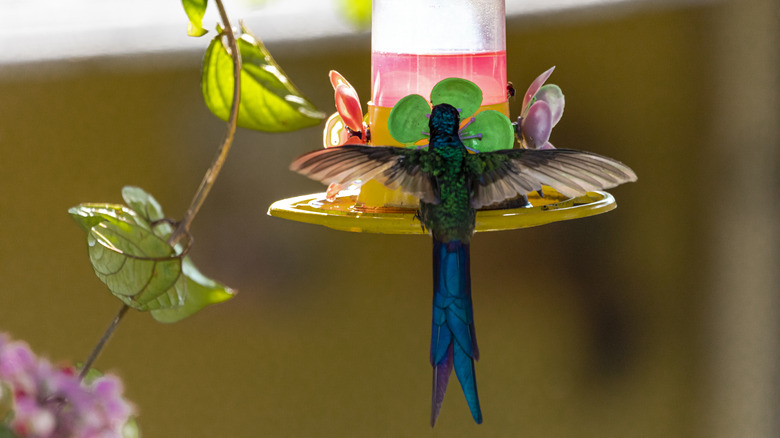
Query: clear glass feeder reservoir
417	43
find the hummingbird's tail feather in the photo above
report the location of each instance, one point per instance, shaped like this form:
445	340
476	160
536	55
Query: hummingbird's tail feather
441	376
453	340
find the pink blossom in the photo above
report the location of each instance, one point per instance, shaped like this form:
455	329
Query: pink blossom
52	402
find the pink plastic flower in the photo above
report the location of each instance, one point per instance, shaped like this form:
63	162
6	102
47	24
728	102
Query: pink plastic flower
51	402
346	126
542	109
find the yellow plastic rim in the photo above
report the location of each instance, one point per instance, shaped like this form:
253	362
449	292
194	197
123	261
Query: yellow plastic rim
343	214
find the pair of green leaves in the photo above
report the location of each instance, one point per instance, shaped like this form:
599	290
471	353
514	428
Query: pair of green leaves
488	131
128	245
269	102
129	251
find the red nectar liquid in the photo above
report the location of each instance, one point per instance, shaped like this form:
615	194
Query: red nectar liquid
395	75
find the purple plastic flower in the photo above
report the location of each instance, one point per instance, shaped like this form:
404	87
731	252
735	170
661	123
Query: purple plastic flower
542	109
51	402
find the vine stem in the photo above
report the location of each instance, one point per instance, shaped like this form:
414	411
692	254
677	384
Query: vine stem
219	159
102	342
206	184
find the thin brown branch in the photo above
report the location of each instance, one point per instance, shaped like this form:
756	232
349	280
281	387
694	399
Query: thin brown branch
106	336
206	184
211	175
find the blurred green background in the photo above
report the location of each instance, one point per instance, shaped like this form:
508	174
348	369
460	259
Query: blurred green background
658	319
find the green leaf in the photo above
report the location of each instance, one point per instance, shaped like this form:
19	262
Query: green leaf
142	203
5	432
407	122
201	292
460	93
105	223
269	100
92	375
496	130
138	267
130	429
133	258
357	12
195	10
6	409
88	215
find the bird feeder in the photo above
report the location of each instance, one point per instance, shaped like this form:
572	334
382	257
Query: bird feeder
415	45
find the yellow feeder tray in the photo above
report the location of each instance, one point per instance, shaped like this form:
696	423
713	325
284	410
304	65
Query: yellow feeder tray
343	214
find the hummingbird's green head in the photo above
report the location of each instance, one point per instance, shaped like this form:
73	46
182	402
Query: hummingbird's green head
445	120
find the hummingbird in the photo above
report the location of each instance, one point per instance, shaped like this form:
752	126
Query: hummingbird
452	184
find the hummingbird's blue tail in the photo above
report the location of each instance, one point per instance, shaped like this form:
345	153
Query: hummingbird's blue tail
453	341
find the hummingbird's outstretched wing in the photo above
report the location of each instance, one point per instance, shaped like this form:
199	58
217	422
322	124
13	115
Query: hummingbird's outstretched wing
507	173
395	167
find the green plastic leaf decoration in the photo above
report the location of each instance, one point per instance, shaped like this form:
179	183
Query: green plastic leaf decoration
269	100
195	10
201	292
138	267
496	129
407	121
460	93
